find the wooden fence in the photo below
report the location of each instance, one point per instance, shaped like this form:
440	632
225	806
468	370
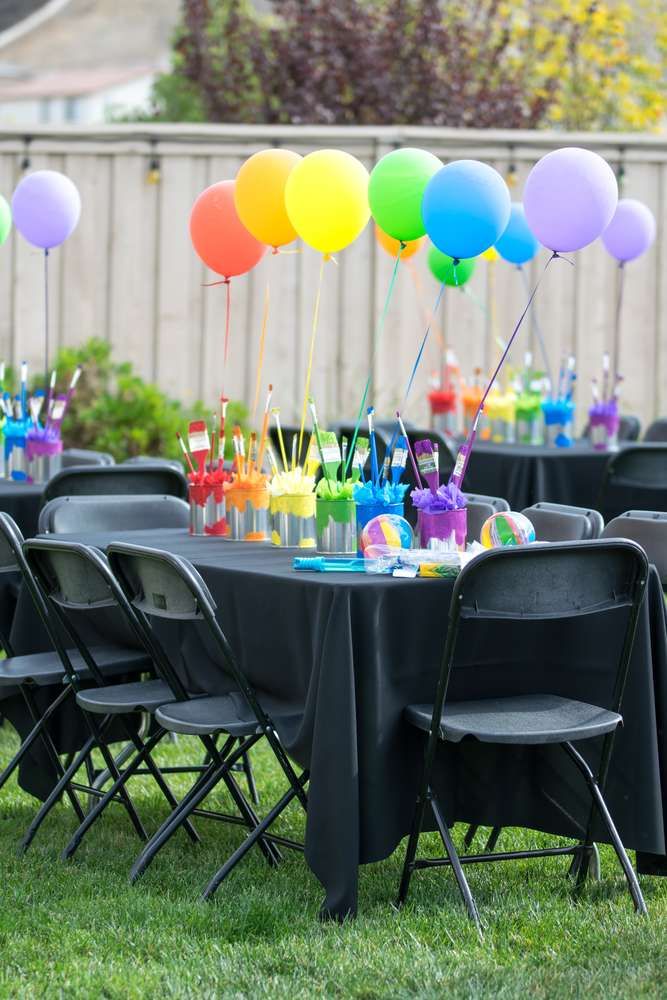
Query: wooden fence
129	273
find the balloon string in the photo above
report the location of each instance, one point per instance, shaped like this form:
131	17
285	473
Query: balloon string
617	319
419	292
377	334
46	319
537	328
434	313
262	344
467	446
228	317
306	394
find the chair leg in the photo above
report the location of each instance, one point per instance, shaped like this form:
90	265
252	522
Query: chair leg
56	793
201	788
252	838
628	870
115	773
464	888
493	839
34	734
470	836
411	850
161	782
250	778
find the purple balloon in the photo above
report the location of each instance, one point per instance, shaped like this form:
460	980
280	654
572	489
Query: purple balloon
631	231
570	198
46	207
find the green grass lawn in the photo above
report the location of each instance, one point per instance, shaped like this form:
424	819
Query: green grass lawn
80	930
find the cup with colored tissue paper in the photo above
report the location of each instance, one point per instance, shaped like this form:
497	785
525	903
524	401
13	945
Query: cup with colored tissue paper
248	512
293	520
604	421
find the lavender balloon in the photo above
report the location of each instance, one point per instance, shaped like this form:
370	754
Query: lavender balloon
46	207
570	198
631	231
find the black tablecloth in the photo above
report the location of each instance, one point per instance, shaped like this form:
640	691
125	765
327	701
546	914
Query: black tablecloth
354	650
524	475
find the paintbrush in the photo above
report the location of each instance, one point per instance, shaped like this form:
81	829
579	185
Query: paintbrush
55	419
214	439
272	460
185	452
594	390
199	445
72	386
371	438
265	429
360	459
252	454
221	442
239	451
331	457
412	457
399	459
283	454
605	377
35	403
426	462
24	390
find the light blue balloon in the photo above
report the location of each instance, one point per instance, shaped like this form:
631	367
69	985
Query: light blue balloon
517	245
466	208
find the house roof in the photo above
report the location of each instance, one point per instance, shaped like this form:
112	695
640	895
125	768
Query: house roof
69	83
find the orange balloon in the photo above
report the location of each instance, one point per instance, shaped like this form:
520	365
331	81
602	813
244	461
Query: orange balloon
392	246
218	235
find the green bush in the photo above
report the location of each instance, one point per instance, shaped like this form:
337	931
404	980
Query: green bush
115	410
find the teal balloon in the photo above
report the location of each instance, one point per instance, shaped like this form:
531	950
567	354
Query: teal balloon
442	268
518	244
466	208
396	189
5	220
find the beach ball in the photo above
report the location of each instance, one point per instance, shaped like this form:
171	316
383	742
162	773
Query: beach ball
506	528
386	529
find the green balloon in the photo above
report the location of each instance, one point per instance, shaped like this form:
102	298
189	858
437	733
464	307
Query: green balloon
442	268
5	220
396	189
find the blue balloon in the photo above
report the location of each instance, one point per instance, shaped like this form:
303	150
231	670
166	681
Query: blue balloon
517	245
465	208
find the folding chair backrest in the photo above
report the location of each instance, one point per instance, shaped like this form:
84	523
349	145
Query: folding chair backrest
629	428
479	509
11	541
555	522
171	463
543	583
115	480
165	586
657	431
649	529
559	580
81	456
635	477
112	513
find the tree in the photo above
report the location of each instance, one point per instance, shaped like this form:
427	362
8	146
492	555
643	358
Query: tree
461	63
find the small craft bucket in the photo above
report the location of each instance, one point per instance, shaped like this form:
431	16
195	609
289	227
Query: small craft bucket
443	529
44	459
293	521
367	511
207	509
16	462
336	526
558	419
248	513
604	430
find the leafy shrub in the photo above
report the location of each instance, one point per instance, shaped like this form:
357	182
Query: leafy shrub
115	410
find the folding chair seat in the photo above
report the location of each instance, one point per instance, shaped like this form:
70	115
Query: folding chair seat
77	578
45	669
215	714
537	583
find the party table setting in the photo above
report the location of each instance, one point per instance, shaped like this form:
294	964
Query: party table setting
330	599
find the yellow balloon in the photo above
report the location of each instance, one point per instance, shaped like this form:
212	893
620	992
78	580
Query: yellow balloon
392	246
259	195
491	254
327	199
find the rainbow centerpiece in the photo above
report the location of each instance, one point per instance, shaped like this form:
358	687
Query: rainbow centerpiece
506	527
387	529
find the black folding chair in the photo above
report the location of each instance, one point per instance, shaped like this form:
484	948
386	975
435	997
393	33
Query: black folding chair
112	513
532	583
63	668
107	480
479	508
634	479
657	431
649	529
559	522
164	586
81	456
171	463
77	579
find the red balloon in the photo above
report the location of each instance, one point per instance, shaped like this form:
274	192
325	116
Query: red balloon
218	235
